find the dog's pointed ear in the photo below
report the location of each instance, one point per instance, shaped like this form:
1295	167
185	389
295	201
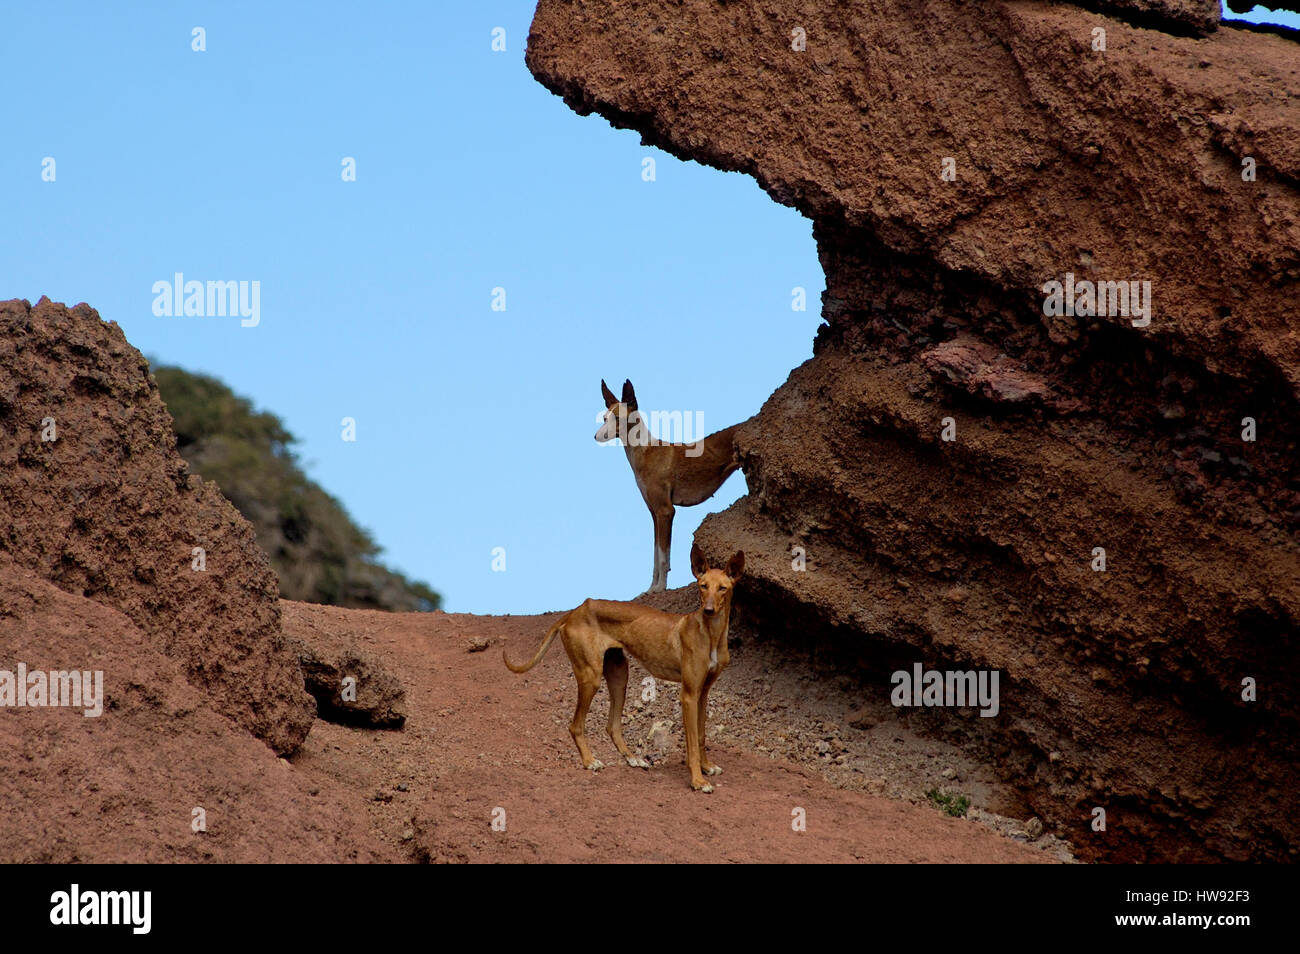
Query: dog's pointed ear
607	394
629	396
736	565
699	565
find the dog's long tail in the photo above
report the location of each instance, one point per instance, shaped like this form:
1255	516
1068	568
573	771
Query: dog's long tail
541	650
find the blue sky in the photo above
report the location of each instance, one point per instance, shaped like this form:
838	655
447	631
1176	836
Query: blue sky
474	427
1264	14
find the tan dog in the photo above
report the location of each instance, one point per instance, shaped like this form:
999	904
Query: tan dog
668	475
690	649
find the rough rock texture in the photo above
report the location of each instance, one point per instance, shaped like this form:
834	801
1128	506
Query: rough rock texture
1194	16
1122	689
328	656
108	511
124	786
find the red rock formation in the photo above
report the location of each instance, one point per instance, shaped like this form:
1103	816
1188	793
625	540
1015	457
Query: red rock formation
1164	158
105	509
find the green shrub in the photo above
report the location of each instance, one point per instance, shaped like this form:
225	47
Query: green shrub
954	805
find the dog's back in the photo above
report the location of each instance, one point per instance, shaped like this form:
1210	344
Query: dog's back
652	635
696	478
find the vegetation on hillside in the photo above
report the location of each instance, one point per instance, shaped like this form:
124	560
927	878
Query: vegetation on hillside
320	555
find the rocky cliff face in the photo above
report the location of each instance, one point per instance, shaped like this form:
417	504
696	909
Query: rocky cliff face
95	499
956	160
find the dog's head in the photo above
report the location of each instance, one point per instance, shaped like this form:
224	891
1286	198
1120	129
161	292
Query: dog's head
619	415
716	585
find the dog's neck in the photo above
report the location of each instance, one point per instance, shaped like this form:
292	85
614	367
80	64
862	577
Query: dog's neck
636	437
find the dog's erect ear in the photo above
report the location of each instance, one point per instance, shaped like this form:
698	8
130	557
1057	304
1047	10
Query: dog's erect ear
629	396
736	565
607	394
699	565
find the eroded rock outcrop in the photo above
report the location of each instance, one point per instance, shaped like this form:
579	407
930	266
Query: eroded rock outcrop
954	161
95	499
1192	16
373	698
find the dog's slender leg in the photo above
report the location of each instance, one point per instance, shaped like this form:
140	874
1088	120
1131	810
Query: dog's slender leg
667	548
707	767
691	723
654	579
663	520
616	680
588	683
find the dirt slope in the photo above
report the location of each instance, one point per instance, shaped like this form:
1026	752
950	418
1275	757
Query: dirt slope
124	786
479	738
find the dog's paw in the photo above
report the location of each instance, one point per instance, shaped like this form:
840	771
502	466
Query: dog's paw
712	770
637	762
704	787
596	765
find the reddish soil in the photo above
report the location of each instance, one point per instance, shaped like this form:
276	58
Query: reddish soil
479	738
123	787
